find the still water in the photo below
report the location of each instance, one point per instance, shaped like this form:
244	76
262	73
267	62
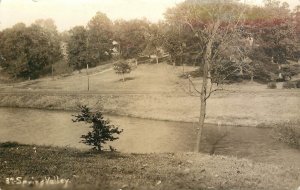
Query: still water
44	127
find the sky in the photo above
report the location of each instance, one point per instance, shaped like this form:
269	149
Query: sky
70	13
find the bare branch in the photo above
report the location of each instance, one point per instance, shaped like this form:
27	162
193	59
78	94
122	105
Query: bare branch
194	86
212	91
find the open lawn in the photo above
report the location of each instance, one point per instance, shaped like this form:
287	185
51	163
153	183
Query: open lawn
157	92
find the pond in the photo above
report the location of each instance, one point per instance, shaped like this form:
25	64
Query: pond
44	127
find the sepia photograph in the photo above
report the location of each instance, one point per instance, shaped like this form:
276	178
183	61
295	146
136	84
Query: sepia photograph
150	94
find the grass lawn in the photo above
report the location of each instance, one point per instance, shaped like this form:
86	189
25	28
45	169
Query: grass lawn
88	170
158	92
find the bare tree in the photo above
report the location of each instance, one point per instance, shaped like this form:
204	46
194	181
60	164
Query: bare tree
217	26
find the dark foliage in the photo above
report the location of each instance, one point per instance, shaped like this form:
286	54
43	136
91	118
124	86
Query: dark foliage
288	134
272	85
122	68
289	85
26	51
102	130
77	48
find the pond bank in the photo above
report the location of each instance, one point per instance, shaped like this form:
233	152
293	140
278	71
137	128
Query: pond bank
55	128
226	109
141	171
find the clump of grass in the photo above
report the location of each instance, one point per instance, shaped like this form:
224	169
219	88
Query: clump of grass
288	85
288	133
272	85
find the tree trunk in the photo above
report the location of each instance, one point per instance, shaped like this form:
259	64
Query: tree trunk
99	147
241	71
156	59
123	78
204	93
181	61
252	77
174	62
203	105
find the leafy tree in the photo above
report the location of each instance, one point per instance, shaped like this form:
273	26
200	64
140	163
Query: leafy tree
154	40
172	43
47	24
273	30
99	38
27	50
122	68
131	36
77	47
102	130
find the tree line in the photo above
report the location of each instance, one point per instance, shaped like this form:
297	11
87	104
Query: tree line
248	41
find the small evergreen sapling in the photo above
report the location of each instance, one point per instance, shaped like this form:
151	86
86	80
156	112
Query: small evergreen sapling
102	131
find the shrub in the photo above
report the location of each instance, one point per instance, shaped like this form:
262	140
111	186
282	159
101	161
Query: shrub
288	134
102	130
272	85
122	68
298	84
288	85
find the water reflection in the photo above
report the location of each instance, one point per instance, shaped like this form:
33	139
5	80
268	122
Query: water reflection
56	128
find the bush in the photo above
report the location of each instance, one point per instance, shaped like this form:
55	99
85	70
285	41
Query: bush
288	134
288	85
272	85
101	132
298	84
122	68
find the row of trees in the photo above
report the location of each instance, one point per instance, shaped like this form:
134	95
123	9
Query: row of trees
101	38
25	51
272	29
261	35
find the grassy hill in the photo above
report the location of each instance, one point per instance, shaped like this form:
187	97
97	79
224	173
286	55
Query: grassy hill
157	92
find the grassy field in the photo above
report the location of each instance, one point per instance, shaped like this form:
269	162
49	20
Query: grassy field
88	170
158	92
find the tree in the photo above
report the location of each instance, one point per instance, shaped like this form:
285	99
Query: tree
296	22
180	41
172	43
99	38
274	31
102	130
77	47
275	39
154	41
214	24
27	50
122	68
47	24
131	36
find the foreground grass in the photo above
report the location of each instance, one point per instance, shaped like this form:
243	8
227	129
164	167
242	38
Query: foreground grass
88	170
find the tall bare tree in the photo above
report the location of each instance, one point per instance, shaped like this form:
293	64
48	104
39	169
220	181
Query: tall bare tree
217	27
